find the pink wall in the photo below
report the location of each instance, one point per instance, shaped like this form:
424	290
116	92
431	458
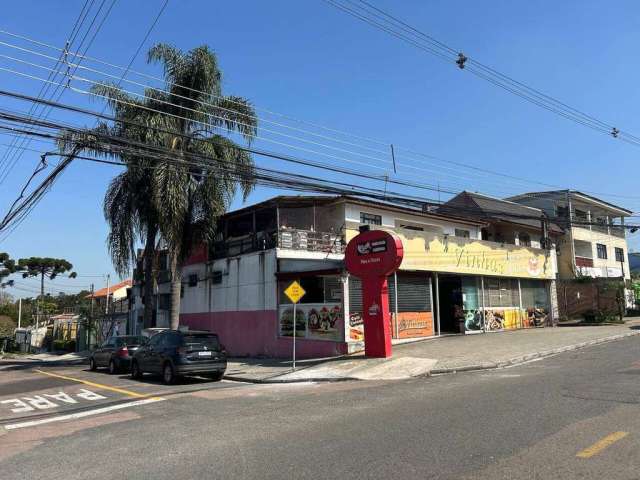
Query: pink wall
254	333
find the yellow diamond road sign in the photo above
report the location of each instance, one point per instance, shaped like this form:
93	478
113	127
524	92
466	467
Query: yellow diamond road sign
295	292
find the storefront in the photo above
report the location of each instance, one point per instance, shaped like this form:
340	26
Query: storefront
473	304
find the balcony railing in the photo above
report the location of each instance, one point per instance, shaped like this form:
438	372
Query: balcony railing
584	261
294	239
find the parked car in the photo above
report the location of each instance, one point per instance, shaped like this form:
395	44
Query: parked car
173	353
116	353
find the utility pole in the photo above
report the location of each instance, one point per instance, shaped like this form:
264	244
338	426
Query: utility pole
106	308
90	321
19	312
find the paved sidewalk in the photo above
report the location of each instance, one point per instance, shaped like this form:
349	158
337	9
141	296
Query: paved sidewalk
436	356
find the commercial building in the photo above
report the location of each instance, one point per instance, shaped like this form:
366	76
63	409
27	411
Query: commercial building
461	273
595	243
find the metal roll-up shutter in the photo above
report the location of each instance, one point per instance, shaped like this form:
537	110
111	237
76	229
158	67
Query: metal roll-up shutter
355	294
413	293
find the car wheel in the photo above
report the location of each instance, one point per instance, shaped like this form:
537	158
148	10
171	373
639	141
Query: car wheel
112	367
136	373
168	376
216	377
92	364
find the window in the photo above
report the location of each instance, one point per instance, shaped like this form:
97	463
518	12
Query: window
412	227
155	340
370	219
216	276
619	254
462	233
602	251
580	215
524	239
562	212
193	279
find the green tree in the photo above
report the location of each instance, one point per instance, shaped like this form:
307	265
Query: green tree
45	267
192	196
7	267
178	198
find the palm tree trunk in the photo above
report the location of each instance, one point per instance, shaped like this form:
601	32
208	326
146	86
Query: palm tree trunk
149	277
176	287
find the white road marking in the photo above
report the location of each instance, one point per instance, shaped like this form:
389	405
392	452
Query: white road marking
73	416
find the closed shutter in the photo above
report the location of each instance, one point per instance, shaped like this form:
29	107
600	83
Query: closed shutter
413	293
355	295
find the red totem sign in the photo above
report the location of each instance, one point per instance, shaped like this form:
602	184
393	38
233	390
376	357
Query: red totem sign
373	255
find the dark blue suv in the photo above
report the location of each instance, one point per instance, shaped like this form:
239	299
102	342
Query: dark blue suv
172	353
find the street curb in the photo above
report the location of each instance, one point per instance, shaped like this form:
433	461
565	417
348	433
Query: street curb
445	371
275	380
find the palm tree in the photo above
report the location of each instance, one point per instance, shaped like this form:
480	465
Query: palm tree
180	198
190	195
127	205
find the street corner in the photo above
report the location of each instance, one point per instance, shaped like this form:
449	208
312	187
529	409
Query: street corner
36	397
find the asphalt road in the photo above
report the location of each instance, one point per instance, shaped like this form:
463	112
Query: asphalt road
571	416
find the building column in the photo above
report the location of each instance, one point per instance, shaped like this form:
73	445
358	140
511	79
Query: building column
554	311
345	305
437	303
395	302
520	303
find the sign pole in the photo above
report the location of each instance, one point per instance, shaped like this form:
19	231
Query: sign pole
294	336
294	292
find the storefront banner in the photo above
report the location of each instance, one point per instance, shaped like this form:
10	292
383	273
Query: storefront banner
318	321
424	251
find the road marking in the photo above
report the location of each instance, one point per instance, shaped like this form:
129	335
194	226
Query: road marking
97	385
601	444
73	416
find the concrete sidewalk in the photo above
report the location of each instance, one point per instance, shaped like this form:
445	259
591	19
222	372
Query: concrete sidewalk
436	356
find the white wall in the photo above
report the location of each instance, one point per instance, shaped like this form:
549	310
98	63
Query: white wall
248	283
389	218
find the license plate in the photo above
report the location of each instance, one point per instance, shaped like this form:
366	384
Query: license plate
204	354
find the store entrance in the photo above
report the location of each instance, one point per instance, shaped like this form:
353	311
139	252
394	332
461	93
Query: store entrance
451	311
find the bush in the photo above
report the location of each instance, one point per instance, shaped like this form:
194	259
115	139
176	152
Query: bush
601	316
64	345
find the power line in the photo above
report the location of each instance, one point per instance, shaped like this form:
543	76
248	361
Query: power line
390	24
408	151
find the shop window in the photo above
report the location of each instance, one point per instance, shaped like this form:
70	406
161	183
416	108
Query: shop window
370	219
319	289
501	292
619	254
534	294
602	251
462	233
193	279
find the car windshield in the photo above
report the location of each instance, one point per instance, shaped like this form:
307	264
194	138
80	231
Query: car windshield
129	340
201	342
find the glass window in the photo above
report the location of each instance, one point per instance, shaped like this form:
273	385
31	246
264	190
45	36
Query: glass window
155	340
319	289
462	233
619	254
534	294
602	251
501	292
201	342
370	219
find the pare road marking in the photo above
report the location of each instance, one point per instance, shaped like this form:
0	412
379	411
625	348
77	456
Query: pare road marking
87	413
601	444
44	402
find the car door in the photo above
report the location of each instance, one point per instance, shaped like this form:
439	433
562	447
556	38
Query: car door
152	352
100	354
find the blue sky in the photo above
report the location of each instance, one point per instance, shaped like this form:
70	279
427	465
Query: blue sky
312	62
